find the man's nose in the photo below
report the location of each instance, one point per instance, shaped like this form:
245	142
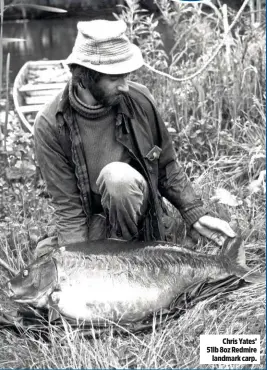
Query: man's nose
123	86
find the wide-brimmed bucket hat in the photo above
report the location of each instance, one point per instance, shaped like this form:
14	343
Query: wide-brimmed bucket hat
103	46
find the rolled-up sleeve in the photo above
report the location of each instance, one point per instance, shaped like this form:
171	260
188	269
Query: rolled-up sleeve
61	182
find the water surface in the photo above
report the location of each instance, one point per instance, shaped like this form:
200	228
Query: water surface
45	39
50	39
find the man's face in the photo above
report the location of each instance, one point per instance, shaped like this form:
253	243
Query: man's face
109	89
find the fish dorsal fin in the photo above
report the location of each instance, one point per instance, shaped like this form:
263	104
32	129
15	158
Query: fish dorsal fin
233	248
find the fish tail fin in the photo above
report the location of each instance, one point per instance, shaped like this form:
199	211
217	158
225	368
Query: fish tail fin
233	248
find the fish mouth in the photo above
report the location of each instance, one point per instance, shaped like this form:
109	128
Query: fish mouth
22	298
7	290
36	301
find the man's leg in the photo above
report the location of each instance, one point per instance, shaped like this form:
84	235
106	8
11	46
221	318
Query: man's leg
124	197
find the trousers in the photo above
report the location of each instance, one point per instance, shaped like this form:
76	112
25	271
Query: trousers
124	199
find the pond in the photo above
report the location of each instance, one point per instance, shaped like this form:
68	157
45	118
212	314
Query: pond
45	39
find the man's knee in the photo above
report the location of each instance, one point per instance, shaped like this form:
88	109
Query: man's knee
120	180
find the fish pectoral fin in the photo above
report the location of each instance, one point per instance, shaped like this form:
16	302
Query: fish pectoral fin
233	248
53	314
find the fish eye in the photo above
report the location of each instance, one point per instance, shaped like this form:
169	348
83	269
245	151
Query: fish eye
25	273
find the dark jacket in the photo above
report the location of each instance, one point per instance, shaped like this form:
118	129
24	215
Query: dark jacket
141	130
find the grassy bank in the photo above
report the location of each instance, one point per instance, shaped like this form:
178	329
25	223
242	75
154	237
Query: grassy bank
217	122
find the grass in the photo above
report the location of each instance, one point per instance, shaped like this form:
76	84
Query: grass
218	130
176	346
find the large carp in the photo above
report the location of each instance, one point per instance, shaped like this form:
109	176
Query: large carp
122	281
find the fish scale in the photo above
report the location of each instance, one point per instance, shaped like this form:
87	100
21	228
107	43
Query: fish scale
119	281
161	260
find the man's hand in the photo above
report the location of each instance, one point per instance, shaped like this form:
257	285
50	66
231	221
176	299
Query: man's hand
214	229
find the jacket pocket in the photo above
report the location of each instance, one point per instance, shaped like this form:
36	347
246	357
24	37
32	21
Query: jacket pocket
152	161
154	154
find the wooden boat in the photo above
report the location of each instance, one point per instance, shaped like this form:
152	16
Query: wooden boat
35	84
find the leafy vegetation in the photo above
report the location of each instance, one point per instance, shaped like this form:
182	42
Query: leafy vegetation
217	122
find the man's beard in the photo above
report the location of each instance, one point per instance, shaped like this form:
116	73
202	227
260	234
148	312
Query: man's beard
107	100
